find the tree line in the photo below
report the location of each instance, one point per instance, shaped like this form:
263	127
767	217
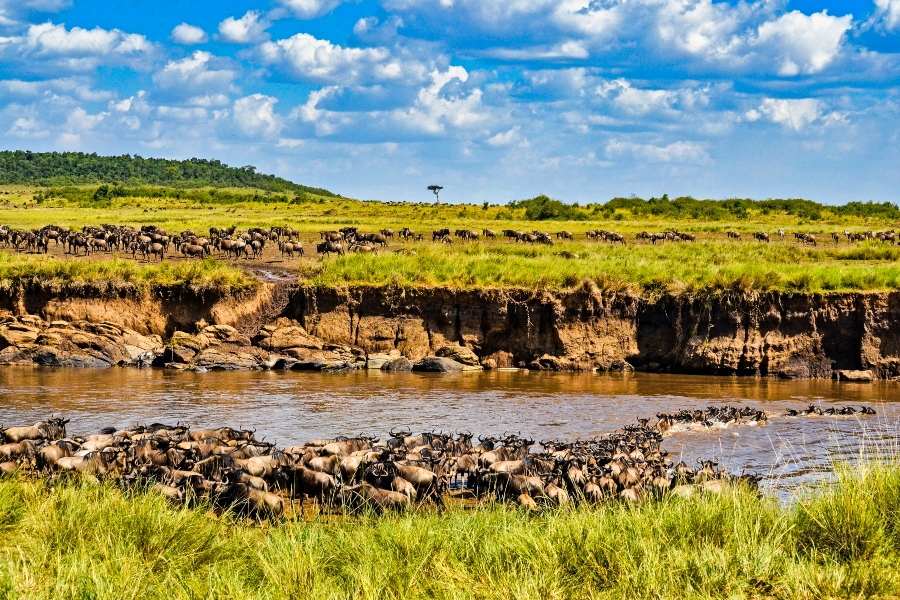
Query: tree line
47	169
544	208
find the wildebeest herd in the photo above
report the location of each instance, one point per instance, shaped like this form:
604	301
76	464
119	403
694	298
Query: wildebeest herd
230	469
151	242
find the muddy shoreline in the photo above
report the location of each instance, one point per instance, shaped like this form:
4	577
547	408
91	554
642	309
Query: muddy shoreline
853	336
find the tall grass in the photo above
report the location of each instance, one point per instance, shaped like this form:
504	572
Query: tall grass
702	267
47	271
839	540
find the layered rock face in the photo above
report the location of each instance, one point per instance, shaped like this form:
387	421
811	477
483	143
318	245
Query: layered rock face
850	336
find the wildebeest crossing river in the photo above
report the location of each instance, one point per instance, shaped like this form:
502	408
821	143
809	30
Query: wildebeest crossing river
289	408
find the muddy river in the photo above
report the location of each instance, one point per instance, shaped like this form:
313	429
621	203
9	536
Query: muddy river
289	407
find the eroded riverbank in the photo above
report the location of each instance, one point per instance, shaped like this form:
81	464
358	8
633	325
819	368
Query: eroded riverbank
282	325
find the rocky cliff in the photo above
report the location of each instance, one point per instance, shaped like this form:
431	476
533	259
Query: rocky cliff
852	335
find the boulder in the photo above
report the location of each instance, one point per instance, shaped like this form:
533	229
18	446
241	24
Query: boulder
547	363
460	354
323	365
439	364
214	359
851	375
197	343
225	333
621	366
15	334
275	362
377	361
398	364
277	339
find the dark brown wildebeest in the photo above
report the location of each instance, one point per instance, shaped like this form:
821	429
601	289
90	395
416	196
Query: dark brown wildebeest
439	234
193	250
326	248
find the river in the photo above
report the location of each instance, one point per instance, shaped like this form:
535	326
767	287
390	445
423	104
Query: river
290	407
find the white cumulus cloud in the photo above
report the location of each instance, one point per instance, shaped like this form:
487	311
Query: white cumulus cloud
255	116
319	61
794	113
199	73
189	35
48	47
310	9
249	29
887	14
676	152
802	43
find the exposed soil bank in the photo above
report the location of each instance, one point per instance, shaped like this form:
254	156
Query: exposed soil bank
848	335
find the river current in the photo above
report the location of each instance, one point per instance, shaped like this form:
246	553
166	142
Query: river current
290	408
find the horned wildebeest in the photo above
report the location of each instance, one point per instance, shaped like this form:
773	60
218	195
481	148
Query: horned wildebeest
364	495
100	462
439	234
326	248
51	429
332	236
190	250
251	502
301	482
289	248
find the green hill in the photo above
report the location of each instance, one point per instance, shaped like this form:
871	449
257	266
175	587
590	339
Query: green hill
77	168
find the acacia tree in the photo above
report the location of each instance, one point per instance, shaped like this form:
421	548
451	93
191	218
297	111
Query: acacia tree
437	190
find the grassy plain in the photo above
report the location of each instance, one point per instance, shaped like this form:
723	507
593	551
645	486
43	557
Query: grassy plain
94	541
710	265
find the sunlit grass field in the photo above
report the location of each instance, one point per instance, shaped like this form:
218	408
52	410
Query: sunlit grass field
94	541
117	276
712	264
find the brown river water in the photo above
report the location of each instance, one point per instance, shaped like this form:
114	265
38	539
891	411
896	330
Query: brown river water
290	407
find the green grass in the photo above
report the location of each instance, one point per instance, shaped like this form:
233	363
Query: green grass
93	541
116	275
698	268
711	265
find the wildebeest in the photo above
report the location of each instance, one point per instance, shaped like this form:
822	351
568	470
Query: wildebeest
326	248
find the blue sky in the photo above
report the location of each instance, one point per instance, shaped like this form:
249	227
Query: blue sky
493	99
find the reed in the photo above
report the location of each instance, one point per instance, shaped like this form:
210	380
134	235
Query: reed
838	539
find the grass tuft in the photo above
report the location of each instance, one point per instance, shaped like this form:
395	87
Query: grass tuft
837	540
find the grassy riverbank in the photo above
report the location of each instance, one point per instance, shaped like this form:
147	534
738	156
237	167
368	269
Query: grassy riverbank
711	264
115	275
698	268
840	541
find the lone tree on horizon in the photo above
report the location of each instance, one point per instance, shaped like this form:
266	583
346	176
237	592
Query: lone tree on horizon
437	190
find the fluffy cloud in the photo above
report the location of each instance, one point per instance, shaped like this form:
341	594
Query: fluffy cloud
189	35
795	113
434	109
255	116
201	73
887	14
803	43
11	11
53	47
676	152
310	9
319	61
249	29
